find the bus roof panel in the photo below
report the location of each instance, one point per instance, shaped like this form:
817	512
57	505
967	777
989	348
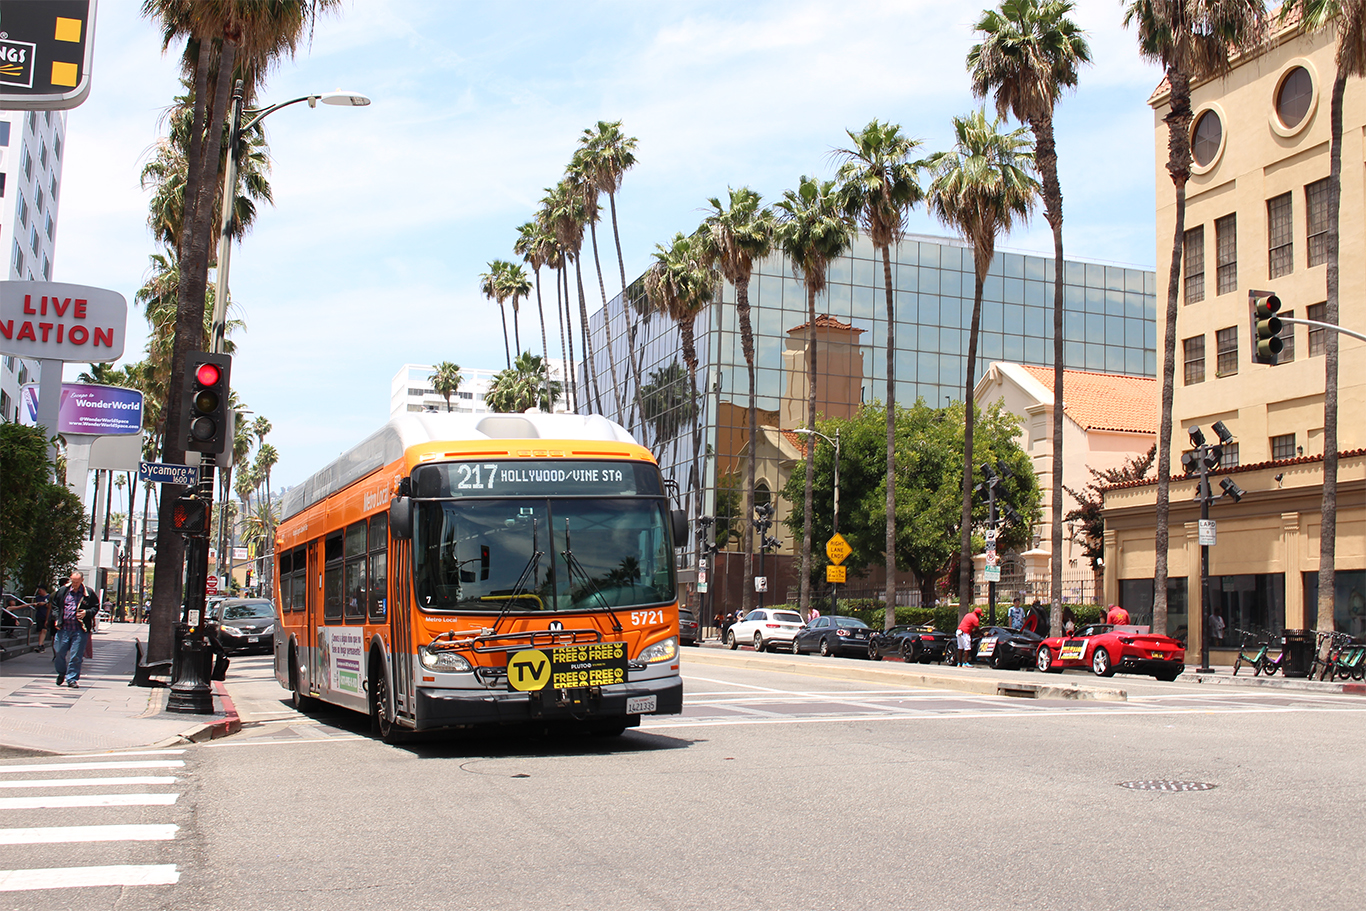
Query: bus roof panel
389	443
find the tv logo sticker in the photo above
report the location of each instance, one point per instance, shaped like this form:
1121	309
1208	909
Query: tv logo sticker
529	670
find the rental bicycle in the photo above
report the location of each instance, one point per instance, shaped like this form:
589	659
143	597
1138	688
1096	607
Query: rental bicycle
1259	660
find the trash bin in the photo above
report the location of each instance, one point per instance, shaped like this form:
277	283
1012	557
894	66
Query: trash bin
1299	652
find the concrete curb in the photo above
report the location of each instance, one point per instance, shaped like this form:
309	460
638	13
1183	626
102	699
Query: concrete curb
1301	685
229	724
978	681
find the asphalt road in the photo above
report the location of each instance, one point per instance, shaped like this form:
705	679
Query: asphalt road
773	791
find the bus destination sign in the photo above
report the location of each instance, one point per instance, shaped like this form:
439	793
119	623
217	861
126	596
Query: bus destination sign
536	478
570	667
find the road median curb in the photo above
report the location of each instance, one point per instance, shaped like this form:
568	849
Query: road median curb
979	682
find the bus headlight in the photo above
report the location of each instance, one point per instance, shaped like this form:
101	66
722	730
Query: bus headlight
444	660
667	650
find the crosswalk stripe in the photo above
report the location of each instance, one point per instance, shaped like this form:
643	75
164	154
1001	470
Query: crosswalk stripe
65	801
87	766
81	782
51	835
79	877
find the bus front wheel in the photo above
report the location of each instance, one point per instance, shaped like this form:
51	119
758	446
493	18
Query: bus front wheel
382	704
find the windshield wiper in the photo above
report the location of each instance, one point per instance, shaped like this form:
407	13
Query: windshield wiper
573	563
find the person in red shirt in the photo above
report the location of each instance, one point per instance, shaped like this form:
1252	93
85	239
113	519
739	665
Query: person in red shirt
966	627
1116	616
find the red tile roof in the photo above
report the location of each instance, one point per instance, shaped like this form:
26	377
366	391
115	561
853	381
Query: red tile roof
797	440
826	321
1106	401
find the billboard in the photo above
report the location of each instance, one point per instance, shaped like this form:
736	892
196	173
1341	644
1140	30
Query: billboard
95	410
61	321
45	52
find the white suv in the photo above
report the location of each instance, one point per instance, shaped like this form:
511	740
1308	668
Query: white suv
765	627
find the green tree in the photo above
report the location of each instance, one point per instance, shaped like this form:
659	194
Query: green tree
446	381
929	473
1087	520
514	285
730	239
880	184
523	386
42	523
813	229
1349	18
1189	39
566	213
1029	54
981	188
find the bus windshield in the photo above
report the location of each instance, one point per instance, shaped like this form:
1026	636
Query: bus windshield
534	554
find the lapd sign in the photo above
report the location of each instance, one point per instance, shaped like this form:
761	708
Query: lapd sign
46	47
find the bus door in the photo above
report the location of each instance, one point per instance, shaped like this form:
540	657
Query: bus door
401	624
308	636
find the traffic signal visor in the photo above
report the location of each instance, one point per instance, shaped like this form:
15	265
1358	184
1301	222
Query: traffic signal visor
1267	328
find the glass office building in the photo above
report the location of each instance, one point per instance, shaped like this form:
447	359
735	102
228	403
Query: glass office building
1109	326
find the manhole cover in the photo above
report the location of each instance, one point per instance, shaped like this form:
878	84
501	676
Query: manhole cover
1165	784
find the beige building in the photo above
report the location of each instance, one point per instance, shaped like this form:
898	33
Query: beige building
1256	219
1108	419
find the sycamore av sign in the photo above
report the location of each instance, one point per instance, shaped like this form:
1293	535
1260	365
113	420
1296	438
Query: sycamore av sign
63	322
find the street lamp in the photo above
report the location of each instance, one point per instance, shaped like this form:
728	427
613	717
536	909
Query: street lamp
834	605
220	287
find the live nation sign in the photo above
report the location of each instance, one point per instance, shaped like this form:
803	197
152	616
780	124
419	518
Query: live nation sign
58	321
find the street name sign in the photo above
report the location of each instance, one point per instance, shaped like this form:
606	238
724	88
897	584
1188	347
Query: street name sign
164	473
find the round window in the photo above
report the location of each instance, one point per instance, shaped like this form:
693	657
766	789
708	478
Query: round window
1294	96
1209	132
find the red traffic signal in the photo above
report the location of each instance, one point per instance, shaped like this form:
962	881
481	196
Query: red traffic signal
204	422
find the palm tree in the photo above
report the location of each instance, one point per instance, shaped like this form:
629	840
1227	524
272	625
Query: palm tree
224	39
446	381
536	246
245	486
731	238
812	230
1190	39
514	285
680	286
525	385
491	286
556	258
980	188
567	215
1030	53
266	459
879	183
668	404
261	428
579	177
607	155
1349	17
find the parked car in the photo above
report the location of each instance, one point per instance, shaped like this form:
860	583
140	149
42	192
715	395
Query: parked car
765	628
834	636
1106	649
911	643
1003	647
688	630
243	624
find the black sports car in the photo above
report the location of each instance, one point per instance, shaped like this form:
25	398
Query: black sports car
912	643
1003	647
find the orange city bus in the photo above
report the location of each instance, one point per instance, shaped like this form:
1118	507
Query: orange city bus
456	570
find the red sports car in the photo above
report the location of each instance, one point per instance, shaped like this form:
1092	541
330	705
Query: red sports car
1106	649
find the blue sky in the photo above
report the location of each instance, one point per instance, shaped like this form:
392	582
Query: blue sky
385	216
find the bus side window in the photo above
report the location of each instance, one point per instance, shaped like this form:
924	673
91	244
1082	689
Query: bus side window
379	574
332	577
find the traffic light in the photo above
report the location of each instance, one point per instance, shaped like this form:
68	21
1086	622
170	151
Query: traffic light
204	421
190	517
1266	327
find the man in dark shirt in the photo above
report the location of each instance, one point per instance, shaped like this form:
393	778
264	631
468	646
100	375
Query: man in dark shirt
40	604
71	617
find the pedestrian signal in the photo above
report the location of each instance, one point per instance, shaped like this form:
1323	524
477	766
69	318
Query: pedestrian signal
189	516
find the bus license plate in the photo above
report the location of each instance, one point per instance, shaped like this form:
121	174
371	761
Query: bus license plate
642	705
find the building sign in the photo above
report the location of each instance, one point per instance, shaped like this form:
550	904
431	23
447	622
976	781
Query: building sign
94	410
1208	534
61	321
45	52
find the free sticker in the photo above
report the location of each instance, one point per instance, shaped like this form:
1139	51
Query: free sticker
529	670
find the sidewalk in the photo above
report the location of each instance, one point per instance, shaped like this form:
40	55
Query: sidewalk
105	713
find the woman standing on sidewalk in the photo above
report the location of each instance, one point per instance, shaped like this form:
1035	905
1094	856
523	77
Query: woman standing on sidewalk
71	618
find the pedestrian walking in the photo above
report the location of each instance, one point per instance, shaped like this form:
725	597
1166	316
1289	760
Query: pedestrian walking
40	605
71	619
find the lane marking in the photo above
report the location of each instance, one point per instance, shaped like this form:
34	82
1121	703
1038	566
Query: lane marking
225	744
84	877
177	752
80	782
51	835
87	766
65	801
